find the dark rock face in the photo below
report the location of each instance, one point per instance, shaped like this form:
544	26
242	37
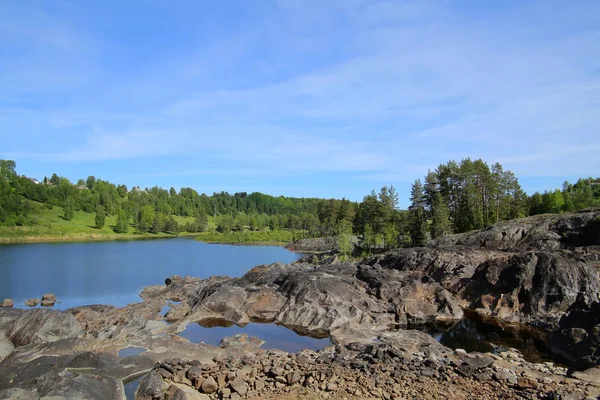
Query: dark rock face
540	271
151	387
41	326
535	288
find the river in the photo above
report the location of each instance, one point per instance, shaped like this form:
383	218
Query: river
115	272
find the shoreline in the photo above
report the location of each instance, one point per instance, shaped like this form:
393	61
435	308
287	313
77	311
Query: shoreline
88	238
258	243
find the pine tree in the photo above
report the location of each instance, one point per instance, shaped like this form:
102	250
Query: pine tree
440	223
418	222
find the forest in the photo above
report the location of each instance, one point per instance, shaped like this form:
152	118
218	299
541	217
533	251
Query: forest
455	197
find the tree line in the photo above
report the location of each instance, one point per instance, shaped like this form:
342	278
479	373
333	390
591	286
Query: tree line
455	197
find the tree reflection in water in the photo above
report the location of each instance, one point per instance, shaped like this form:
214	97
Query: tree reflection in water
476	334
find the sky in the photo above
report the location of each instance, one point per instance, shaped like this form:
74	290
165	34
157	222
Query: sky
304	98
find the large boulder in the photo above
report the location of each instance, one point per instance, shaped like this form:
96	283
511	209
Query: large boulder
41	326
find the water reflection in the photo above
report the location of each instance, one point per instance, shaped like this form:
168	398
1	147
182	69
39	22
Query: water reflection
131	386
474	333
212	330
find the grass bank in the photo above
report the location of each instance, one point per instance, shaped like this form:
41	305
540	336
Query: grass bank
266	238
50	226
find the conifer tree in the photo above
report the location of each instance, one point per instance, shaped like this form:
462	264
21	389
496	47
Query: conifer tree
418	221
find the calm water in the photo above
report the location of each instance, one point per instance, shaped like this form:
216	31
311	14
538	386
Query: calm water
275	336
131	386
116	272
474	334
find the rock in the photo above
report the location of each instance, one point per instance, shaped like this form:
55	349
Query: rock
293	378
6	346
209	386
7	303
586	369
48	300
501	376
32	302
173	279
41	326
316	245
239	386
151	386
241	340
17	394
259	385
177	312
331	387
182	392
194	372
474	362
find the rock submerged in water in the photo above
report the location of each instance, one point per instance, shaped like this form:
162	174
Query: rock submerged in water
32	302
48	300
7	303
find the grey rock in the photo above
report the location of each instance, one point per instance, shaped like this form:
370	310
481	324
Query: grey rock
6	346
239	386
41	326
293	378
178	312
18	394
151	386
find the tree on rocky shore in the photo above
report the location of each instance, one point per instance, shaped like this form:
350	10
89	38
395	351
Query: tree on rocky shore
418	222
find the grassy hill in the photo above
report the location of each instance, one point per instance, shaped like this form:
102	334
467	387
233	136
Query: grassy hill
49	225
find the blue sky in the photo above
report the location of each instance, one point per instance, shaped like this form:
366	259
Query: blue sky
299	97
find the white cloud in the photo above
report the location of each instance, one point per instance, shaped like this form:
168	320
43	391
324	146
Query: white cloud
378	89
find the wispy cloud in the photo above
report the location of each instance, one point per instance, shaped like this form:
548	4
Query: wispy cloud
376	90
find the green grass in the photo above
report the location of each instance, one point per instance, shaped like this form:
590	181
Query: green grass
49	225
277	237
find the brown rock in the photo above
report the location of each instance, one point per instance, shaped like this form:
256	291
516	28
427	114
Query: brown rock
7	303
32	302
48	300
209	386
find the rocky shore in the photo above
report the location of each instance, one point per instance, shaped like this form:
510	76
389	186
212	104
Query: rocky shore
538	273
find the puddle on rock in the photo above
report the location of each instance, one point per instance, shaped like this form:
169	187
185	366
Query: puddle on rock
473	333
131	386
213	330
131	351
